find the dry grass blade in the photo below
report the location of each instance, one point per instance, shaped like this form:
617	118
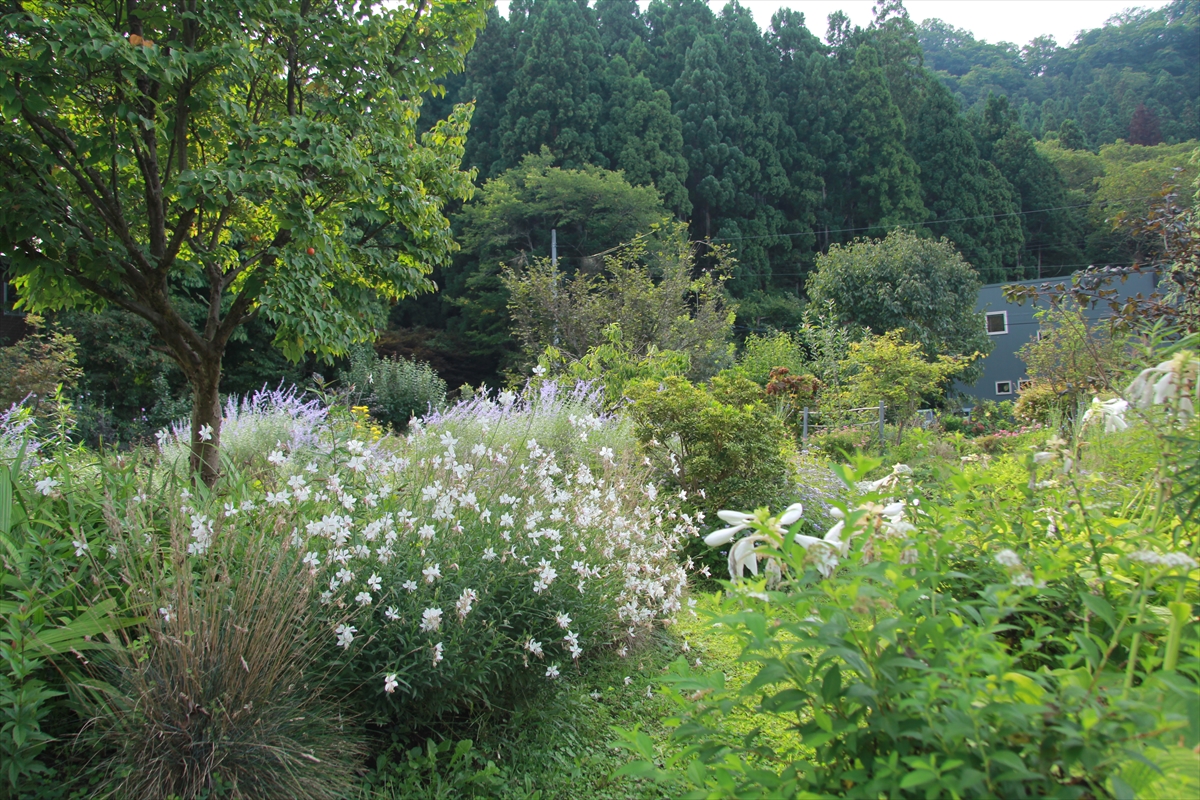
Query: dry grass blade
217	692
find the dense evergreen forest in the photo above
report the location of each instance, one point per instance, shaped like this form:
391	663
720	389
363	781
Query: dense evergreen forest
602	122
778	144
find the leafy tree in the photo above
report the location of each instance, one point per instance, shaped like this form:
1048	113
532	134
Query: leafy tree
1074	357
201	166
34	368
1144	128
648	289
973	205
904	281
557	97
886	369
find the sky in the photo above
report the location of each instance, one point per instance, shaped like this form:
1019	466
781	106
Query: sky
1016	21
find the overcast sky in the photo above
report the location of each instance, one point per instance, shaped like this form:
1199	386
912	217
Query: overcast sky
1015	21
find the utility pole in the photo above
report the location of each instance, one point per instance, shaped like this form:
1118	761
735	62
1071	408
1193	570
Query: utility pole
554	247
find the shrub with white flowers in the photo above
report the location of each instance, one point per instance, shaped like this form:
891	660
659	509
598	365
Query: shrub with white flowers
470	558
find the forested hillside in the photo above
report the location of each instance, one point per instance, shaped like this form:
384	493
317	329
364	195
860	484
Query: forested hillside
778	143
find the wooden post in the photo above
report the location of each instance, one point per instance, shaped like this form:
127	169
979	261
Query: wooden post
881	422
804	436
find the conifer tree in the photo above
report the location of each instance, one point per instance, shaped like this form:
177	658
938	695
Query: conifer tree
973	205
642	138
556	99
619	23
489	78
884	191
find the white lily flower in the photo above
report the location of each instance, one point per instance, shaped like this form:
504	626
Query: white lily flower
723	536
791	514
736	517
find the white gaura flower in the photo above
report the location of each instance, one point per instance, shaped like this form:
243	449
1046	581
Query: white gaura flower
392	614
277	458
409	586
1112	412
345	635
46	486
563	620
552	671
80	545
437	654
431	619
534	647
390	683
489	554
206	433
465	603
432	573
363	598
374	583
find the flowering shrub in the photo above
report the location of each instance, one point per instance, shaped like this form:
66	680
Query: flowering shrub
469	559
926	649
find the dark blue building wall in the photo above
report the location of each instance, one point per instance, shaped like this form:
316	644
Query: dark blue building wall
1002	365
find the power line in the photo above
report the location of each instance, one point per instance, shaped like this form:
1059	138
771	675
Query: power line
814	232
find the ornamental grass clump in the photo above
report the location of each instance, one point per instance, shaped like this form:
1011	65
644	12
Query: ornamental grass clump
220	693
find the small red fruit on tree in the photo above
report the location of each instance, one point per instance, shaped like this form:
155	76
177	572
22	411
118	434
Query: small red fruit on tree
312	251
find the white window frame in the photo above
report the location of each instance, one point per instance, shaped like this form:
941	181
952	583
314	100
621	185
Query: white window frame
988	314
1010	387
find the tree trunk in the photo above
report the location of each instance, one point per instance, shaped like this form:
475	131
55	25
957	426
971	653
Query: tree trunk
206	422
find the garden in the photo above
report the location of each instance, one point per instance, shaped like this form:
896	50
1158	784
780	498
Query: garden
662	551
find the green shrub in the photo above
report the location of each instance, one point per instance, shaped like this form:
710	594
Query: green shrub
394	389
37	365
761	354
840	443
945	648
721	446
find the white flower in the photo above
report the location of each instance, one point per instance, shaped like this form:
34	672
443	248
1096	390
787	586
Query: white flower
606	453
437	654
1008	558
278	498
345	635
409	586
649	691
277	458
81	546
363	598
431	619
374	583
791	515
432	573
46	486
166	613
539	370
534	647
738	521
1043	457
1172	381
552	671
546	576
391	613
206	432
563	620
628	680
426	532
1111	411
311	560
465	602
489	554
390	683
